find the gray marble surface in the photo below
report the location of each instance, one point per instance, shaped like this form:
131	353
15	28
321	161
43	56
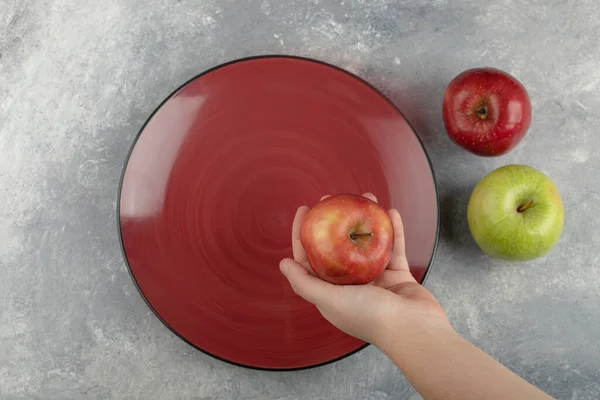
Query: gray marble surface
77	81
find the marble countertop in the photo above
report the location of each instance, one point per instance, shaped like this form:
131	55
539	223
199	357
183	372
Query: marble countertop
78	80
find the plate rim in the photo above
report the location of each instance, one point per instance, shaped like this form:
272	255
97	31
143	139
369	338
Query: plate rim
205	72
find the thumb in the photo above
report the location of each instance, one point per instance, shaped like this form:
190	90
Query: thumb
305	285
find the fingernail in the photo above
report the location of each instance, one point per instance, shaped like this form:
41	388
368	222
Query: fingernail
285	266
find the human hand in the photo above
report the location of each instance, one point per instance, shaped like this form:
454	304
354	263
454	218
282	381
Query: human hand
367	312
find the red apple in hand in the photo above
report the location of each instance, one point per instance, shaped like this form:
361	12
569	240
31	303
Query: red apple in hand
486	111
348	239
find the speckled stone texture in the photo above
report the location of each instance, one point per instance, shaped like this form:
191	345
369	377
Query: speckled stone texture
77	81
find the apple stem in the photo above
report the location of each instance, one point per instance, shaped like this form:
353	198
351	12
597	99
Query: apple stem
357	235
525	206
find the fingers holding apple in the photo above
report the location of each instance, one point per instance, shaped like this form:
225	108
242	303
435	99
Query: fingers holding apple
347	239
398	260
370	196
297	249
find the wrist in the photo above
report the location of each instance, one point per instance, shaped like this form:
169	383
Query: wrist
407	329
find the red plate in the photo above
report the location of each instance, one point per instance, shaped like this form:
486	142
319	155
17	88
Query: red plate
211	186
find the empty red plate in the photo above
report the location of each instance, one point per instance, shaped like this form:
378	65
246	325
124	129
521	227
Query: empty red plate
212	184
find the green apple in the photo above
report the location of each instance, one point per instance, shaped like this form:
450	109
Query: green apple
515	213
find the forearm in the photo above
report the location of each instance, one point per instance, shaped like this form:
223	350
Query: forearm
440	364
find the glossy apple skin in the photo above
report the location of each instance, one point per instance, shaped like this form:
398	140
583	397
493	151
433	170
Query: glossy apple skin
486	111
334	253
516	213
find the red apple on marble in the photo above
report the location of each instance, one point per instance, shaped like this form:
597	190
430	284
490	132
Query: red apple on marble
486	111
348	239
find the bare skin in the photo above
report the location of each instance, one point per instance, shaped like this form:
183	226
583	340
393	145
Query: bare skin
406	322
